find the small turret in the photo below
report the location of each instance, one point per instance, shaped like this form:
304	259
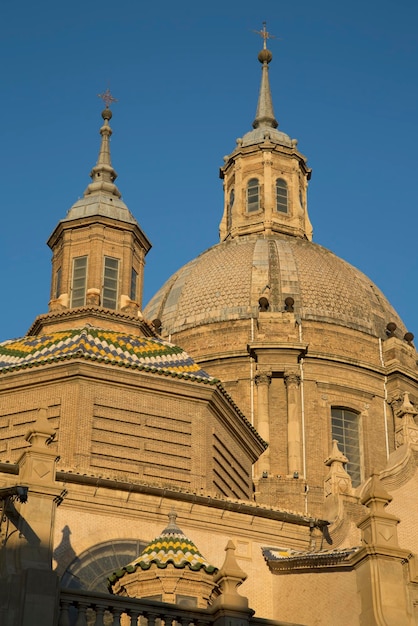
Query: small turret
265	177
99	248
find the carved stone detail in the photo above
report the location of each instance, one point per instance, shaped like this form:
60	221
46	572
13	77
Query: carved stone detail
263	378
337	481
292	378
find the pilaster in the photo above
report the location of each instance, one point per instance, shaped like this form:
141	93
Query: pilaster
294	427
263	380
30	588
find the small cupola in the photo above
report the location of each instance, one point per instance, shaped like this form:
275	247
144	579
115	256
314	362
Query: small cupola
265	178
170	569
99	248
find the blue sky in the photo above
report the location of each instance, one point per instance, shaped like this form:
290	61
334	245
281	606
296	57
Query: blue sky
186	75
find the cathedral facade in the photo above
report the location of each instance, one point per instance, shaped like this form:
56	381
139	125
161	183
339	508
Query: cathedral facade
253	426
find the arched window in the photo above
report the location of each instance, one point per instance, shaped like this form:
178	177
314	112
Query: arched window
229	211
253	195
90	569
281	195
345	429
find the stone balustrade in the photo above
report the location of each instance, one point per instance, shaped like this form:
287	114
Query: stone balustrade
82	608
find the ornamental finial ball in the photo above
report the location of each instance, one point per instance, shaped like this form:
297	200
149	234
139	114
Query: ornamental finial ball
265	56
107	114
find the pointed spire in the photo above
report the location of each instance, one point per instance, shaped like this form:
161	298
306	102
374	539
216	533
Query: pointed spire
103	175
264	117
172	526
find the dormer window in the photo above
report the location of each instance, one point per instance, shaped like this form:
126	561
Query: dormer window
253	195
281	196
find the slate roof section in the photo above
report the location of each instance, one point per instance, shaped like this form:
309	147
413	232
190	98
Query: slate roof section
150	354
171	547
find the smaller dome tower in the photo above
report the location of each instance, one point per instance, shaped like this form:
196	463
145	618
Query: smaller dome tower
98	250
184	577
265	177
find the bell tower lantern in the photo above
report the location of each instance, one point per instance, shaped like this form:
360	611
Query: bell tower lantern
99	248
265	177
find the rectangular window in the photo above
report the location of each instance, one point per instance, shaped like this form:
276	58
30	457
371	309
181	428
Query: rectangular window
58	283
281	195
345	429
253	198
110	282
134	280
78	288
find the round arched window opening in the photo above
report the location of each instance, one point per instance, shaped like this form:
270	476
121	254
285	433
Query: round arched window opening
90	570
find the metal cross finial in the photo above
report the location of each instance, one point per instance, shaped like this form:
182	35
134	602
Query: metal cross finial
265	35
107	97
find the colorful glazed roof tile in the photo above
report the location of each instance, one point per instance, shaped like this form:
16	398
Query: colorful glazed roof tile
171	547
286	559
151	354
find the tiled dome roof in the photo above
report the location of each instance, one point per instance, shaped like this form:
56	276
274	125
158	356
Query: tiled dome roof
171	547
225	283
115	348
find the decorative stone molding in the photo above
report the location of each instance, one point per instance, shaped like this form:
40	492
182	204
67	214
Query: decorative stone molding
379	528
337	481
93	297
380	562
229	578
407	431
292	378
263	378
403	406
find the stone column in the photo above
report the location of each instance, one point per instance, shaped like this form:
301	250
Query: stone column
263	380
294	427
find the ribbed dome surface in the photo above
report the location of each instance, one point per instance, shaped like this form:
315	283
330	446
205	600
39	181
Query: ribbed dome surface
226	282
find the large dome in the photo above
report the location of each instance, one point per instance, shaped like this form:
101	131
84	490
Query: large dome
227	281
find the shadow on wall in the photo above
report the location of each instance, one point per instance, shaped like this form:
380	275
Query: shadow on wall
90	570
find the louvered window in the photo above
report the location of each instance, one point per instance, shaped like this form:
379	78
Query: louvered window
78	285
134	281
110	282
58	283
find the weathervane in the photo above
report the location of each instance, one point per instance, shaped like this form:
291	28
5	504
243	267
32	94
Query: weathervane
265	35
107	97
